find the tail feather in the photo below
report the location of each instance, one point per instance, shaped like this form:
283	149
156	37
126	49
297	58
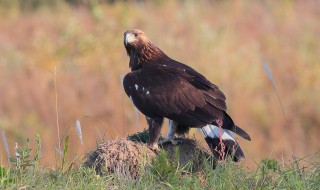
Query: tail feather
229	125
241	133
229	148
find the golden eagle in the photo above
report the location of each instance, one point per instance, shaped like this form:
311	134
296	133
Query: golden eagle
161	87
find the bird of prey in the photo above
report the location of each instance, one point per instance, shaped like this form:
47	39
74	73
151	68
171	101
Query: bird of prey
161	87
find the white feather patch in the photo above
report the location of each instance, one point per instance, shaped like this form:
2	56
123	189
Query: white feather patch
172	129
214	132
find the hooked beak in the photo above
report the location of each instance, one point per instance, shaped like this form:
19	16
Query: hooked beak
128	38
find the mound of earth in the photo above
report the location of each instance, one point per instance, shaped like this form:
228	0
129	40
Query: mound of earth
128	156
119	155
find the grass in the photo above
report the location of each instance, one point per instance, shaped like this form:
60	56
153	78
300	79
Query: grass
163	174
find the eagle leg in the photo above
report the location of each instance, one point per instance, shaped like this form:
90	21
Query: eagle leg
170	135
155	125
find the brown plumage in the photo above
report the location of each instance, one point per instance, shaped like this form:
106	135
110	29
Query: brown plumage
161	87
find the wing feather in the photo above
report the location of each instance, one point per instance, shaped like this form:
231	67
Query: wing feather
183	98
218	103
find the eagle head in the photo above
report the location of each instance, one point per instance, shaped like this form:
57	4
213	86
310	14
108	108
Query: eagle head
134	39
140	49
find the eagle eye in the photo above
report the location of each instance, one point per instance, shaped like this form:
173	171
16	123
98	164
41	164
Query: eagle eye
135	35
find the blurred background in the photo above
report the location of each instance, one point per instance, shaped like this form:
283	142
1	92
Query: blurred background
67	57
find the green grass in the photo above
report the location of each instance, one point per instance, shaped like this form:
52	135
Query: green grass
165	174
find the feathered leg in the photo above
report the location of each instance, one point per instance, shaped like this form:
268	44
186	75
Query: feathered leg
155	125
170	135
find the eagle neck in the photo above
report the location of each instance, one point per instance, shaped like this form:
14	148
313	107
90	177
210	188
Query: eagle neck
148	53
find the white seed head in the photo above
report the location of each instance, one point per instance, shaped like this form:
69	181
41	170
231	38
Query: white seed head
79	132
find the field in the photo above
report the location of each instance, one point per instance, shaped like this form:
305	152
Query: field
165	175
61	63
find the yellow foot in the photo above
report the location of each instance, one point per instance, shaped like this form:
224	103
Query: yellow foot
154	147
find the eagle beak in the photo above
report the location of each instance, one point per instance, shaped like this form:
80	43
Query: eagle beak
129	37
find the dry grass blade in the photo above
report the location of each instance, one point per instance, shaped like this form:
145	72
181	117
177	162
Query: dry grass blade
269	74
